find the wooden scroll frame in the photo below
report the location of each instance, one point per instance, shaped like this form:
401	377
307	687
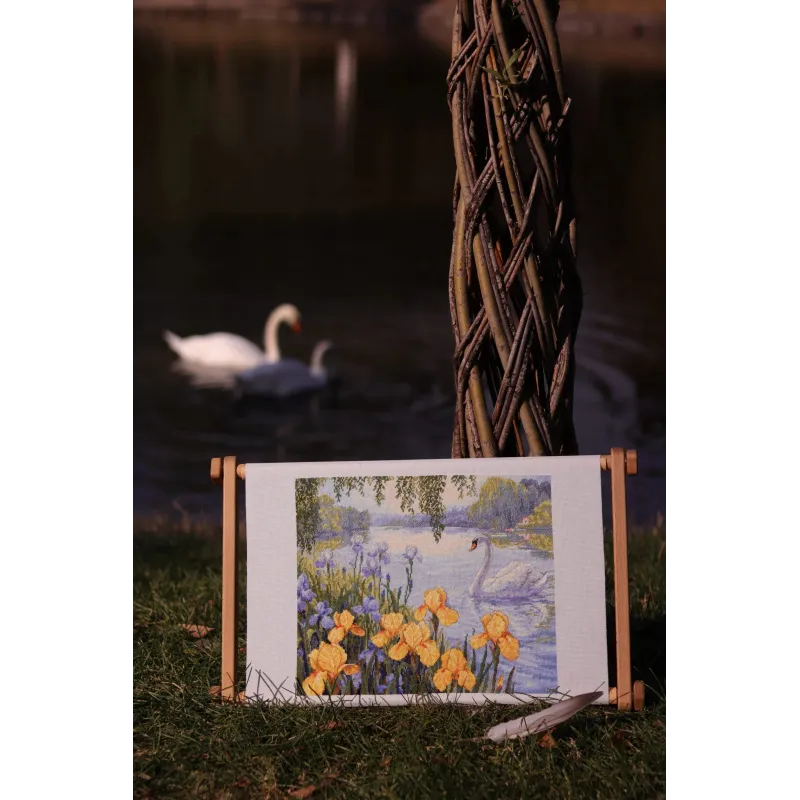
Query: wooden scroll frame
626	695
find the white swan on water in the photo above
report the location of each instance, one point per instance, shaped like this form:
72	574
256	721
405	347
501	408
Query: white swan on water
516	580
288	376
232	351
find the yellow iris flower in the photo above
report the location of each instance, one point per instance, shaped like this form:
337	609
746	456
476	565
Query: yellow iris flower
344	623
495	629
454	668
416	638
435	600
390	627
327	663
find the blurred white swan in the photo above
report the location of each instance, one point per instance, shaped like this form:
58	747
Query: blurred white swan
288	376
516	580
232	351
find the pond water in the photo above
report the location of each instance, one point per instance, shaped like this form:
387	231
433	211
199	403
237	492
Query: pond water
315	166
451	565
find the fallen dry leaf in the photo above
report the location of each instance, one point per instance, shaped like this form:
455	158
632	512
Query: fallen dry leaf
305	791
331	725
619	737
242	782
196	631
547	741
386	762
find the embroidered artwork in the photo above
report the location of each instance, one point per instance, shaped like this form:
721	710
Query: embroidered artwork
396	582
425	584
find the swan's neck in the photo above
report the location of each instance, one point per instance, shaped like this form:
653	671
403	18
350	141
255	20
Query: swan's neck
477	584
271	349
316	360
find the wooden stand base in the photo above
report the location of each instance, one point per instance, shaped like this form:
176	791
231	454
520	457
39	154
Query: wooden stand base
216	692
638	696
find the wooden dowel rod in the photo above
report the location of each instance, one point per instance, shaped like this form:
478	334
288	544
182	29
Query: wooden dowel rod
240	471
230	594
621	593
631	462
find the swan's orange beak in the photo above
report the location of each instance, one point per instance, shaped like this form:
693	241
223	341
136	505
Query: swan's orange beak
297	327
472	547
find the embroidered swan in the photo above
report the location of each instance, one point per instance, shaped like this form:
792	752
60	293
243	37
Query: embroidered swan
516	580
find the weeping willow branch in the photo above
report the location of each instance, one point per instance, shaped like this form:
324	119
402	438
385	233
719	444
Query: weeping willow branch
515	294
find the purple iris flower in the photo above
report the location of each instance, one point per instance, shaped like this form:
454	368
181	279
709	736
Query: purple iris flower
371	653
371	568
304	593
325	560
322	615
357	543
369	606
379	552
411	554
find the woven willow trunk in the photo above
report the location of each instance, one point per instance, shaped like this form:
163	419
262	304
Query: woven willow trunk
515	295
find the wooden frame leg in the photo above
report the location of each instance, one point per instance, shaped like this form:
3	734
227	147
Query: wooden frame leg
224	471
619	523
625	695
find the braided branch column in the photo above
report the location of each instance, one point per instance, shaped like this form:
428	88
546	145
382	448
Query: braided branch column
515	295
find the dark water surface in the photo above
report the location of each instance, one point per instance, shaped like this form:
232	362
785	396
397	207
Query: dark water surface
275	165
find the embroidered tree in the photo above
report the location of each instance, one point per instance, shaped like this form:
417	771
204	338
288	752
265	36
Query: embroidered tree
330	516
542	516
417	494
515	295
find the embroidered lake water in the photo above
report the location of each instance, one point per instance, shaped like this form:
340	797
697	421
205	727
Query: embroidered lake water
451	565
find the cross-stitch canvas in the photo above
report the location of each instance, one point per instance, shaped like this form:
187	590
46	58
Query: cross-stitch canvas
394	581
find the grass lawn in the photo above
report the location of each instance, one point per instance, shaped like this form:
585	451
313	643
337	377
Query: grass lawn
187	745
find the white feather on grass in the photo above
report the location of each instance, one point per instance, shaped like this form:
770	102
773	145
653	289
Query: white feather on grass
541	721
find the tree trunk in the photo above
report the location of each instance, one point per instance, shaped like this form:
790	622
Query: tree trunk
515	295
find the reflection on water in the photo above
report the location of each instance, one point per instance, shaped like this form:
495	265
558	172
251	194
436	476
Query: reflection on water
346	64
276	165
451	566
202	376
